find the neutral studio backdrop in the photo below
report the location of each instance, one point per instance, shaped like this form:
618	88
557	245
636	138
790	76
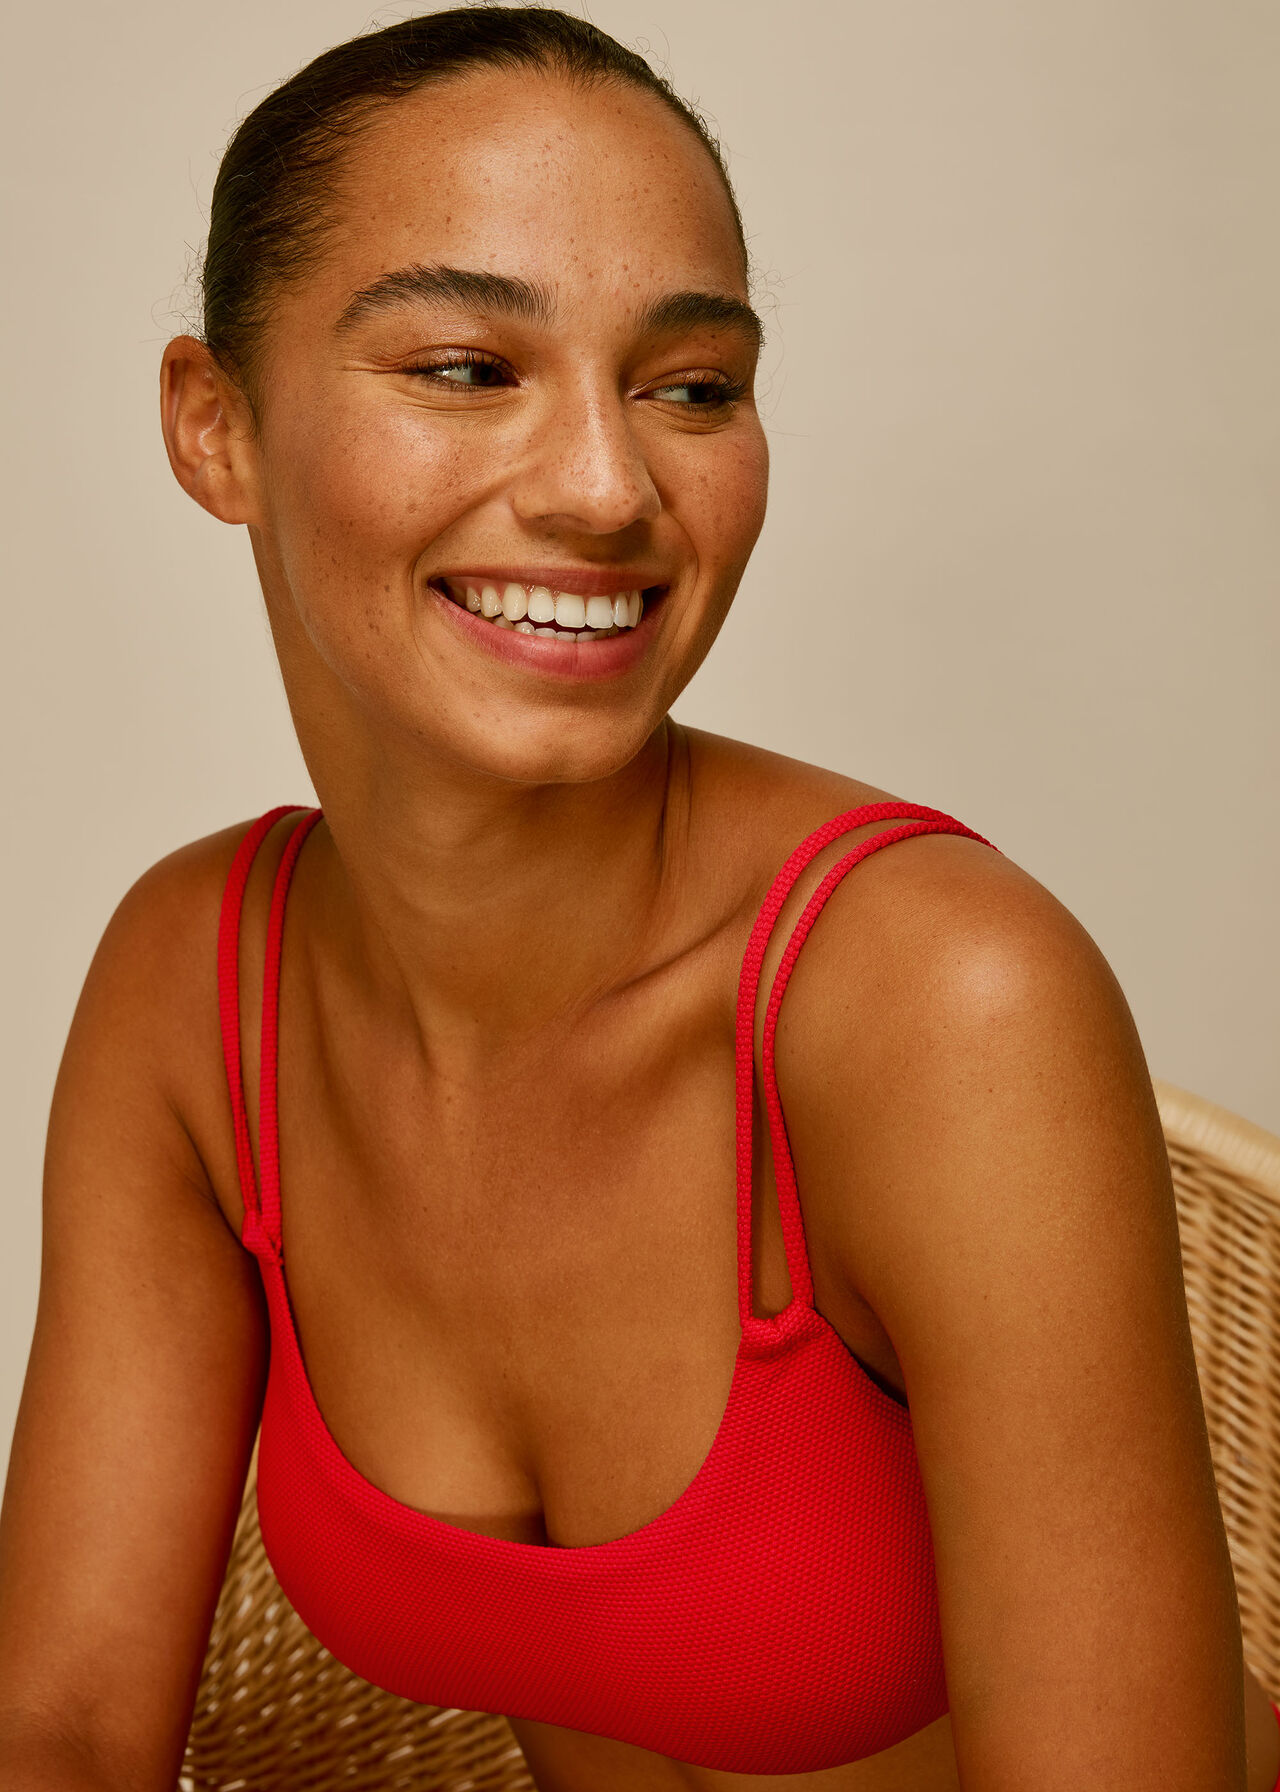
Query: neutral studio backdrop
1020	269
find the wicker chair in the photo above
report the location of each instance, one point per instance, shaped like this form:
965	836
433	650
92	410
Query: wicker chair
275	1711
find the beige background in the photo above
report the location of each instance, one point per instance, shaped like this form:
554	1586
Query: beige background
1023	394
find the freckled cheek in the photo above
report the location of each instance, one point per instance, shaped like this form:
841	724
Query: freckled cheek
365	499
721	502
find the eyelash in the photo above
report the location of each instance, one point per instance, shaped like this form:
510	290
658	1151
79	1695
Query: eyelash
728	391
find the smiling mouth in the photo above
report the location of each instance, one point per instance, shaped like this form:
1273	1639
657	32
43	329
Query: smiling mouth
542	610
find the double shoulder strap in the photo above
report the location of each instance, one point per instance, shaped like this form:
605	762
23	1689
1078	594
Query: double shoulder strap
929	821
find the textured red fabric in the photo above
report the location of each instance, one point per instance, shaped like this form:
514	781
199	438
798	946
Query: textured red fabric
780	1616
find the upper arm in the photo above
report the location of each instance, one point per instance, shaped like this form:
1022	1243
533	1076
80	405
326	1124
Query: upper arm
144	1382
974	1128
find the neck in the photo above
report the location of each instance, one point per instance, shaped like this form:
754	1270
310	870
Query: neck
489	914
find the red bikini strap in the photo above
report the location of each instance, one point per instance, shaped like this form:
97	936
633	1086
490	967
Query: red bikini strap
229	1004
932	821
268	1107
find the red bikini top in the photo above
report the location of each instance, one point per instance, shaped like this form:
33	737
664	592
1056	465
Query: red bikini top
780	1616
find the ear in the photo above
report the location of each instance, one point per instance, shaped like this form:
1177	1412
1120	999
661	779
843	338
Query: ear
208	433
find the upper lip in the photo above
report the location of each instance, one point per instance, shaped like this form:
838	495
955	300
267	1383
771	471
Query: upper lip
587	581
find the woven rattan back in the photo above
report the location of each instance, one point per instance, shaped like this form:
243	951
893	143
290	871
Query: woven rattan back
1226	1178
276	1713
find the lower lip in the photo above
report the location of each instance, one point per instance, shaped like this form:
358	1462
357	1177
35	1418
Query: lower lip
607	657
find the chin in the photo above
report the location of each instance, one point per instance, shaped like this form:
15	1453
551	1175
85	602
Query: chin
543	755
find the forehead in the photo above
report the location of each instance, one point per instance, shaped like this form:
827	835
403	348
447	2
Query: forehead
580	187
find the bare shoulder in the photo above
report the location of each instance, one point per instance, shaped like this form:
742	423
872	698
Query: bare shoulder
936	945
148	1010
170	911
936	961
949	1020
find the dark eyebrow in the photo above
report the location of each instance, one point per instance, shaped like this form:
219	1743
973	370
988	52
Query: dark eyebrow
426	284
422	284
676	311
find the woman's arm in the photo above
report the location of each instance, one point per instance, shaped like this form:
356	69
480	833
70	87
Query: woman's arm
35	1758
145	1378
975	1132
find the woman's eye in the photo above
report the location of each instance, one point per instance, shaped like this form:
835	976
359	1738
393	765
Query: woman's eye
469	371
699	395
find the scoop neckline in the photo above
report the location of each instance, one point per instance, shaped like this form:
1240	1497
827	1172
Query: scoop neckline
769	1335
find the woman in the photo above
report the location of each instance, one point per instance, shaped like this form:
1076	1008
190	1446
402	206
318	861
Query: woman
548	1425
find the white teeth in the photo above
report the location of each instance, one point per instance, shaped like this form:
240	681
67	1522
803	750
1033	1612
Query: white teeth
571	610
532	611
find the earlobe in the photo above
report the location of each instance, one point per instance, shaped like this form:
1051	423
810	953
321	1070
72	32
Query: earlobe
203	420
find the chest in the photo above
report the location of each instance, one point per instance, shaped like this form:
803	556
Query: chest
515	1286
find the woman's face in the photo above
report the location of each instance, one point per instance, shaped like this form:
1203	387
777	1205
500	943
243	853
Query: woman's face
546	383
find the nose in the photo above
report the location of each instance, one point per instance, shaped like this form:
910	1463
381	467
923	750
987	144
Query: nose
585	468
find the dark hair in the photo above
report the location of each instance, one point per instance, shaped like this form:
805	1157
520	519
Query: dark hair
269	222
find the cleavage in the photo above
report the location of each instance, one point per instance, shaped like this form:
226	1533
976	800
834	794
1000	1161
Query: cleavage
520	1315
